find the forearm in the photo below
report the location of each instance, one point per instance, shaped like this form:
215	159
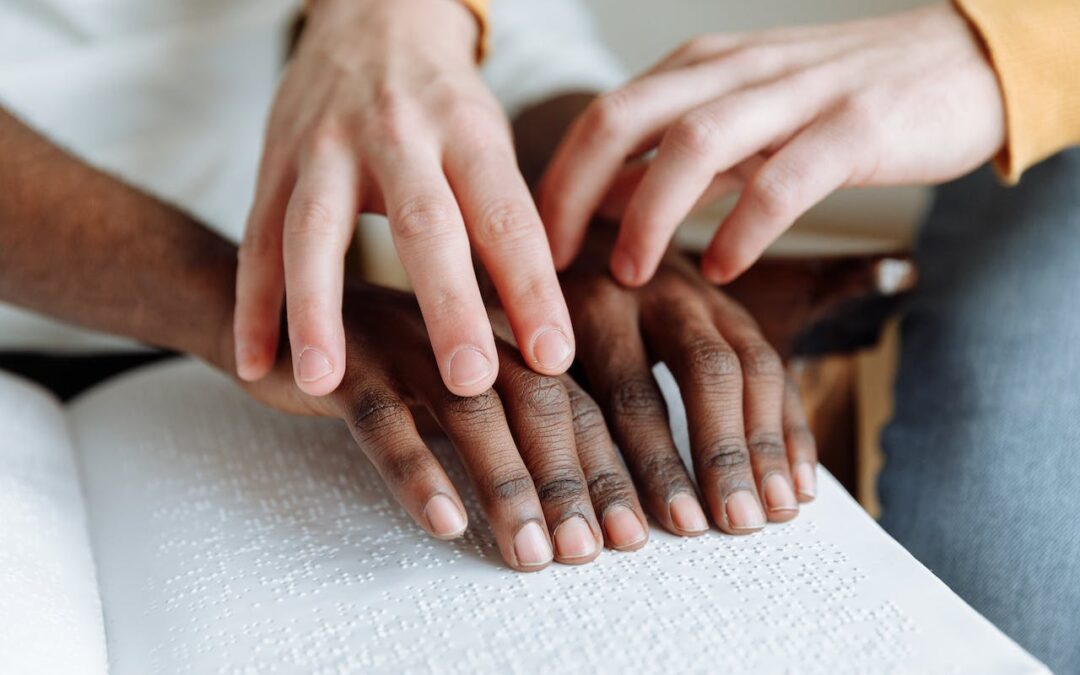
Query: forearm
84	247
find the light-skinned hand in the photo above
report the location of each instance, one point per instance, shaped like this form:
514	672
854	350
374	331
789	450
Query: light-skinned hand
382	109
785	117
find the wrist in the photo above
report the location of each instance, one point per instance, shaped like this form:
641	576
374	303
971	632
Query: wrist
441	25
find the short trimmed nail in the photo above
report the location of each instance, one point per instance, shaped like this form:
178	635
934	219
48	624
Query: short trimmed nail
574	539
551	349
778	494
444	517
531	545
686	513
806	478
743	511
623	267
314	365
711	271
245	362
468	366
622	527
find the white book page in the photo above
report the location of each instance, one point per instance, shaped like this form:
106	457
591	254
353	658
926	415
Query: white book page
50	613
231	538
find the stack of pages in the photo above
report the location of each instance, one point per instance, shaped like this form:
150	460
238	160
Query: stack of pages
166	523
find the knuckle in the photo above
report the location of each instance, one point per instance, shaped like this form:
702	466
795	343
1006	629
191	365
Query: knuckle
768	445
391	117
477	123
374	411
323	139
560	487
505	222
757	57
860	112
726	455
634	397
543	396
423	218
609	487
760	360
507	485
479	409
713	359
609	115
695	48
311	218
693	135
773	192
800	436
663	471
587	416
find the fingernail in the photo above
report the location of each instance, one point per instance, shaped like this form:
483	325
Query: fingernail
313	365
622	527
245	362
574	539
778	493
531	546
806	478
687	515
623	267
743	511
711	271
551	349
468	366
444	517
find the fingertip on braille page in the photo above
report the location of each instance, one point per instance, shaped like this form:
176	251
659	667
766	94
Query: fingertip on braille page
779	497
744	512
531	546
686	514
574	540
806	478
623	529
445	519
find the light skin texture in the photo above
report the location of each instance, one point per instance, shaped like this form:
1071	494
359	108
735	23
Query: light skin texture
785	117
382	109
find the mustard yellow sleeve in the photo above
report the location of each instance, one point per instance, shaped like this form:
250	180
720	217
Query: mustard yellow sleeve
1034	46
479	9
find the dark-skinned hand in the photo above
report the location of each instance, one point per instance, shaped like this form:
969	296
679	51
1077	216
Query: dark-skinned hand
753	454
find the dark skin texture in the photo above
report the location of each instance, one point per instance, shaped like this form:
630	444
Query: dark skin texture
748	429
748	432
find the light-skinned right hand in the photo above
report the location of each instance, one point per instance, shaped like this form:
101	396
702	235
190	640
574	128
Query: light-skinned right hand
783	116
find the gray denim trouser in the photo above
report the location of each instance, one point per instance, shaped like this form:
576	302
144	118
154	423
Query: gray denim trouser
982	474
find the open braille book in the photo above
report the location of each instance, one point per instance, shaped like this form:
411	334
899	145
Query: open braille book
166	523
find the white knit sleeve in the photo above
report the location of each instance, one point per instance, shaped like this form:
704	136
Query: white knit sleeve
541	48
